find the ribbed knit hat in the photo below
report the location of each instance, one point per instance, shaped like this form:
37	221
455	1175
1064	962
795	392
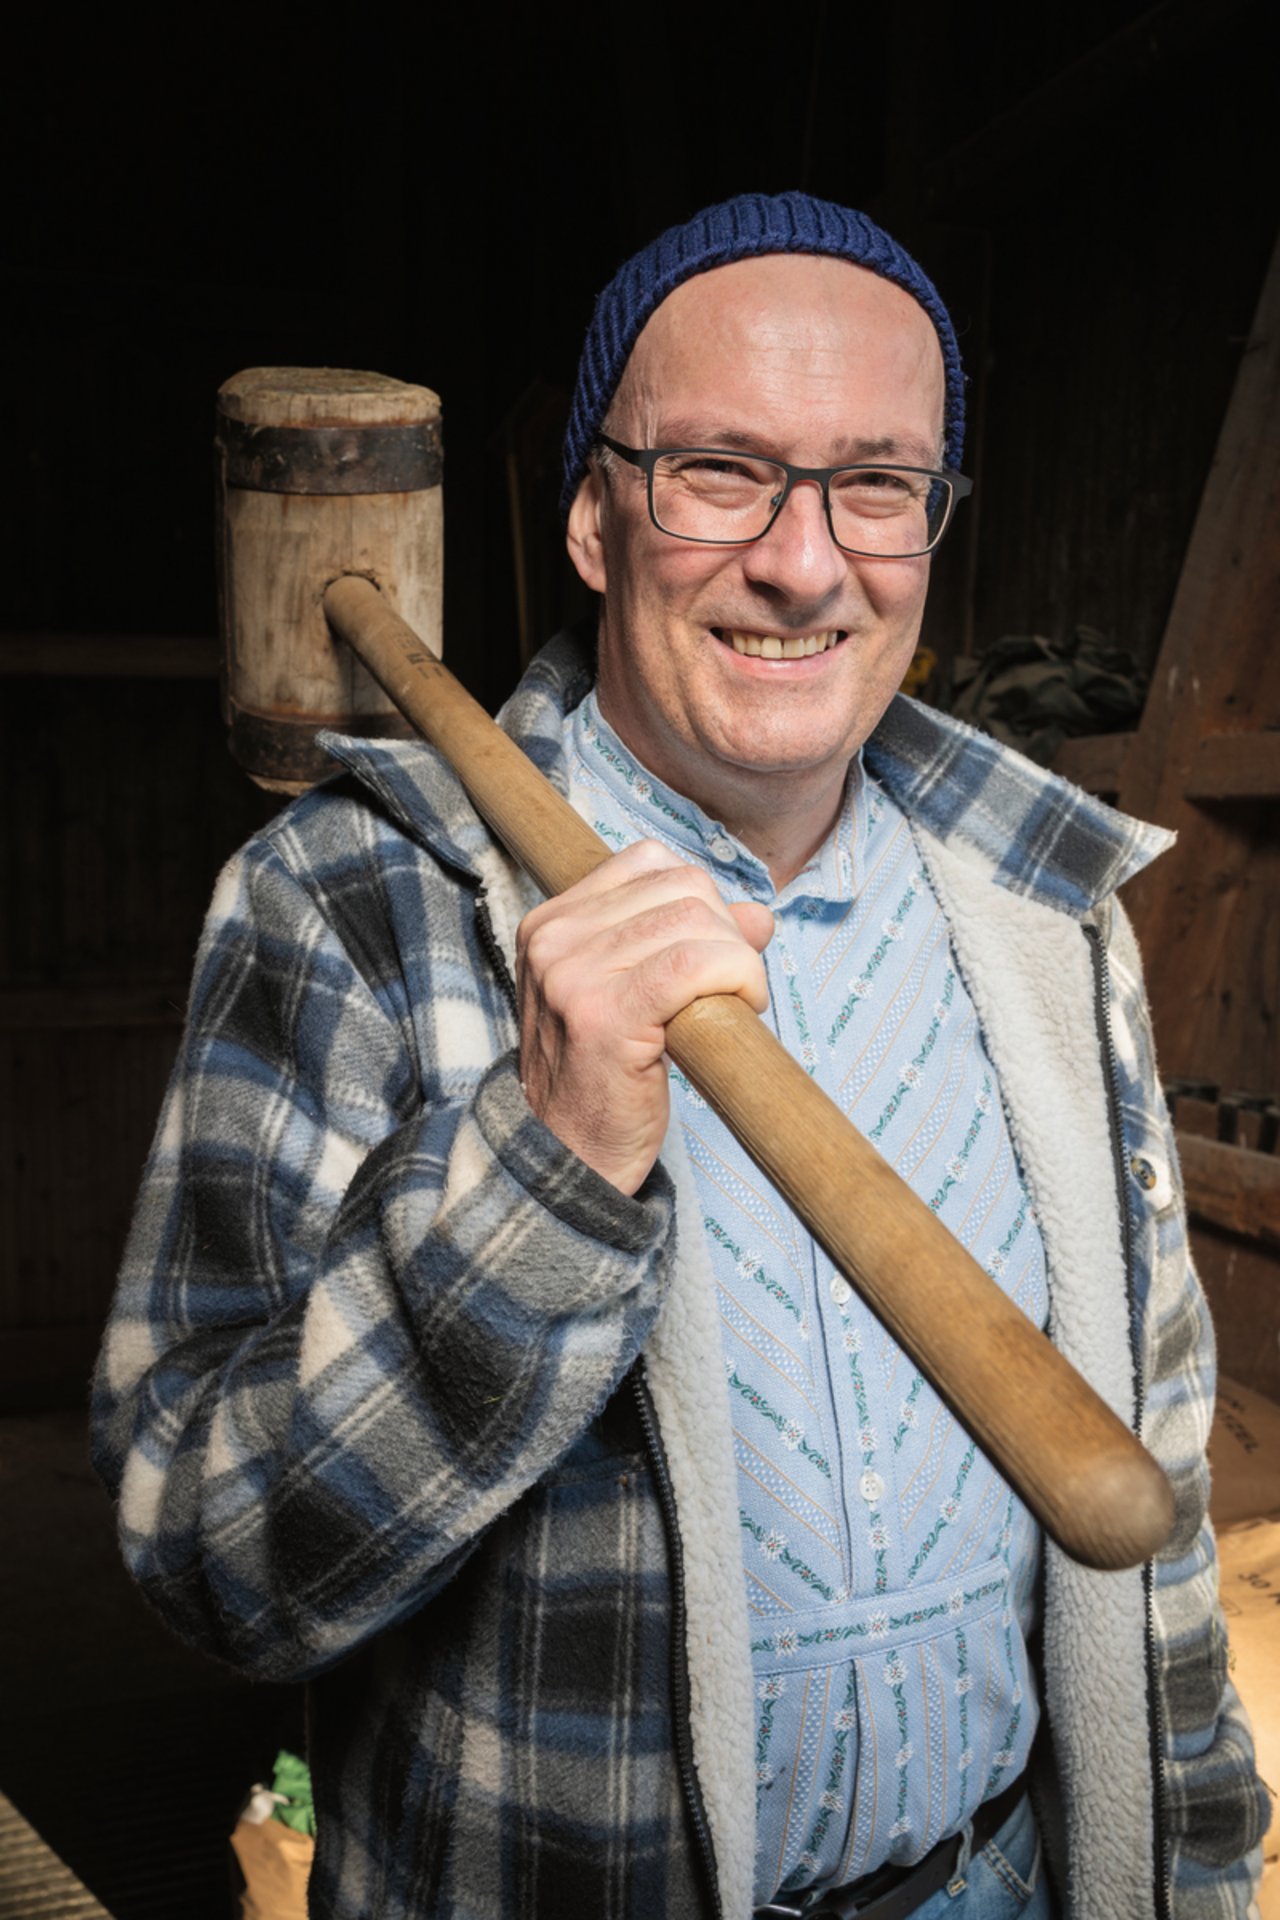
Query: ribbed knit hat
753	223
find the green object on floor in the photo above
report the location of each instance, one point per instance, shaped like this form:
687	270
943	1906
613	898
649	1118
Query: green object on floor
292	1778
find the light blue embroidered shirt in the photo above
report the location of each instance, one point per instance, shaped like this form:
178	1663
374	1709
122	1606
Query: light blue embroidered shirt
891	1573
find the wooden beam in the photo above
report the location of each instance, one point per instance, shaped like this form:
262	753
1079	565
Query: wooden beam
1095	761
1205	913
1231	1187
1236	766
110	656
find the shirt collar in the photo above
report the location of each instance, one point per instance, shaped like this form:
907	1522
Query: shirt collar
1035	832
831	875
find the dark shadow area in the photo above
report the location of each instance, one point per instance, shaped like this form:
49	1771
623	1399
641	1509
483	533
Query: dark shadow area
1091	186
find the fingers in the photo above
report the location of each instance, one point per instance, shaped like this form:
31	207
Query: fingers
602	969
639	878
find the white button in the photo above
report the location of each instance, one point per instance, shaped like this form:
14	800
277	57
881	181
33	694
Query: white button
1153	1177
840	1289
871	1487
723	847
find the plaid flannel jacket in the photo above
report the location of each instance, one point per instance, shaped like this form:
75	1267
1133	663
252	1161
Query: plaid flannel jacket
399	1397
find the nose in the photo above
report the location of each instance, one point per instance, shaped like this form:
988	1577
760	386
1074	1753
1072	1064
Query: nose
797	559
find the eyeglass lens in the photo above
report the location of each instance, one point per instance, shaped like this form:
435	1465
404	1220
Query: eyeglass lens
728	497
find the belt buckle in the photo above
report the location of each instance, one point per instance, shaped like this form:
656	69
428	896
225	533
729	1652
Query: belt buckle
812	1903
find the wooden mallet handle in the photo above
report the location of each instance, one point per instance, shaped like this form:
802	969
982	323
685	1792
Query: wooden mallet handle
1086	1478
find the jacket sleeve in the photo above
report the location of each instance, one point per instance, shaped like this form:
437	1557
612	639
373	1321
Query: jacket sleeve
1215	1808
352	1325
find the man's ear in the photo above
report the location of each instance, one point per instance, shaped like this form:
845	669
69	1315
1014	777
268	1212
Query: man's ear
584	536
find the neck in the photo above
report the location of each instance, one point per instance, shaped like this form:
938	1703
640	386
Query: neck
781	818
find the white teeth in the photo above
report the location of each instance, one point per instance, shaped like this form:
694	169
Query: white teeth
768	646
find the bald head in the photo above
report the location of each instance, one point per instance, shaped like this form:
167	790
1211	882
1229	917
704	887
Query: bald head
757	333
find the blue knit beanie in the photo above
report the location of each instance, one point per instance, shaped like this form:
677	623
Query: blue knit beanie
753	223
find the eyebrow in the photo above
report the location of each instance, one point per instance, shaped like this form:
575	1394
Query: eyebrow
853	448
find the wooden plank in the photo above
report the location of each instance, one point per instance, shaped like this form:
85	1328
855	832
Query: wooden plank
1241	1280
1205	913
78	1112
1236	766
1231	1187
49	1009
44	1367
34	1883
1095	762
110	656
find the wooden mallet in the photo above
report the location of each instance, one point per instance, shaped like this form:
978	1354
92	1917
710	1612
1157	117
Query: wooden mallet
321	530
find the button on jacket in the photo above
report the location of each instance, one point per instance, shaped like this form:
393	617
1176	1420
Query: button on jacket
400	1398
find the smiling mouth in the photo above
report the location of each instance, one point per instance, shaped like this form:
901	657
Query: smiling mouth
772	646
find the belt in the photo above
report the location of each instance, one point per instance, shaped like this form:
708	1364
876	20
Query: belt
891	1893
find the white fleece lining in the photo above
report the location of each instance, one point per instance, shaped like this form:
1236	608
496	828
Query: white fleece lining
686	1379
684	1363
1030	976
509	894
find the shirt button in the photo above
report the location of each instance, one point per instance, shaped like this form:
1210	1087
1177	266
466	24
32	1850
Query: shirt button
871	1487
840	1289
723	847
1143	1172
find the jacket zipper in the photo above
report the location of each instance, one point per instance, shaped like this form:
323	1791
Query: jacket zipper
667	1505
1106	1035
679	1642
493	952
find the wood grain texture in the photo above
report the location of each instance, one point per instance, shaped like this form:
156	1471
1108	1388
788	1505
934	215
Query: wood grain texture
1236	766
1095	761
324	397
1241	1280
1205	914
1232	1186
277	550
1102	1497
34	1883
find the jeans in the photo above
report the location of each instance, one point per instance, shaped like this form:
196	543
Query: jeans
1002	1881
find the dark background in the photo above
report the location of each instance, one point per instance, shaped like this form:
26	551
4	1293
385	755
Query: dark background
1092	187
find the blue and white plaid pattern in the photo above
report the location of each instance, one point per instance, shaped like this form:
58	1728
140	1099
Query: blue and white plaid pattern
363	1396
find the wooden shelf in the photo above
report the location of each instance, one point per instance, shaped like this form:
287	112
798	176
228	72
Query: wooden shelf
1224	766
1095	762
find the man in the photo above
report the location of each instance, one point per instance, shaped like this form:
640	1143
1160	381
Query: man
463	1366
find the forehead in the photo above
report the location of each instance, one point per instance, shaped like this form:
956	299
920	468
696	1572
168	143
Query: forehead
795	346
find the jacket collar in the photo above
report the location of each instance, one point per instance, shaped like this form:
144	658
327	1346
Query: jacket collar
1034	833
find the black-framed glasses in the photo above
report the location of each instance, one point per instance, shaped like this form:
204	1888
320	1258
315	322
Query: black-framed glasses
722	498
